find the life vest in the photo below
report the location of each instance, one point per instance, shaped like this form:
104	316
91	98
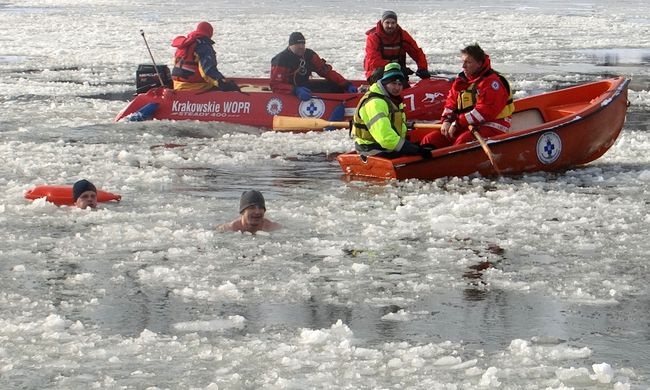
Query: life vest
467	98
359	128
393	51
186	69
303	68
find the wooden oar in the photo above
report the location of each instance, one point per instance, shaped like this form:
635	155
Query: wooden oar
292	123
486	148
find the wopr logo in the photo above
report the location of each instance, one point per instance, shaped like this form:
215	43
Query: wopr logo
274	106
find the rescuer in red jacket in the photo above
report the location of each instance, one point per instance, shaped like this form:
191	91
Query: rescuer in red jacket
388	42
479	97
291	70
195	62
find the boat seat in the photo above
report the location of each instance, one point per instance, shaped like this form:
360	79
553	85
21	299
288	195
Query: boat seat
526	119
569	108
562	110
254	88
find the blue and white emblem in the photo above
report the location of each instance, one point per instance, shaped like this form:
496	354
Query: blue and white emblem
549	147
312	108
495	85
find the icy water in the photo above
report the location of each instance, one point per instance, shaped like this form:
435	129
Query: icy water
369	285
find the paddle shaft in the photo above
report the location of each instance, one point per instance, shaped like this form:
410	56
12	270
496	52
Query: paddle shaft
290	123
486	148
152	60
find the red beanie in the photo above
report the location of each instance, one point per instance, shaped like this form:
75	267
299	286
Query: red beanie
204	29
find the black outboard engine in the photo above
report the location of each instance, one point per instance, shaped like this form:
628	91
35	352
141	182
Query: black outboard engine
146	77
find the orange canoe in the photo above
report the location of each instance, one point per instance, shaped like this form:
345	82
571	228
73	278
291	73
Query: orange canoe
61	195
550	132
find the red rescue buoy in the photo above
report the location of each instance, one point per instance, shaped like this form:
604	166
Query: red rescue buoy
61	195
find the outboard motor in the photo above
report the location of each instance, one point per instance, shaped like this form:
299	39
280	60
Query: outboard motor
146	77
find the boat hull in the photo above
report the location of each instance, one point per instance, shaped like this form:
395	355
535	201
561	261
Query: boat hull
256	105
573	126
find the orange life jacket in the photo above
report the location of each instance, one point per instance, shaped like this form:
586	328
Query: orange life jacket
186	69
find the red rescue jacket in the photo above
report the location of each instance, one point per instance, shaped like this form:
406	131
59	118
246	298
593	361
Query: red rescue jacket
382	48
484	100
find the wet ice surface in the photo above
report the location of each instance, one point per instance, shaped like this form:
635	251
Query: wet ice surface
369	285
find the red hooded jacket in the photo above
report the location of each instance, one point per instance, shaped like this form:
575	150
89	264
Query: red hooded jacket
492	96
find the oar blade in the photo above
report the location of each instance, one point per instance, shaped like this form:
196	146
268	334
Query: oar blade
290	123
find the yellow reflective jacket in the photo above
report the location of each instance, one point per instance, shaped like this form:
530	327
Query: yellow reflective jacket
378	120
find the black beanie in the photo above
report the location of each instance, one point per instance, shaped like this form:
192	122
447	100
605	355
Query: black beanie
251	198
82	186
296	37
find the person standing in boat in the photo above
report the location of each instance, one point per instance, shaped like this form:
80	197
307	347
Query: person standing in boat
84	194
251	209
379	123
479	97
387	42
291	70
195	62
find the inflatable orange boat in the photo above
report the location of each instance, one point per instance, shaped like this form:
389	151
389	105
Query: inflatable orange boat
61	195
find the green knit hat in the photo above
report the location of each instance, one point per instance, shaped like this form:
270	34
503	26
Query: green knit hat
392	72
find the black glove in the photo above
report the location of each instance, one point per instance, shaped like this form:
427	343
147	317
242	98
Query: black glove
411	149
425	152
228	85
407	71
423	73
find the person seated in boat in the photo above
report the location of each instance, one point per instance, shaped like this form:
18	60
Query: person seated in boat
84	194
387	42
379	123
479	97
291	70
251	209
195	62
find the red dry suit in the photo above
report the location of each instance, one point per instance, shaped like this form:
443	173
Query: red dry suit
382	48
289	70
483	101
